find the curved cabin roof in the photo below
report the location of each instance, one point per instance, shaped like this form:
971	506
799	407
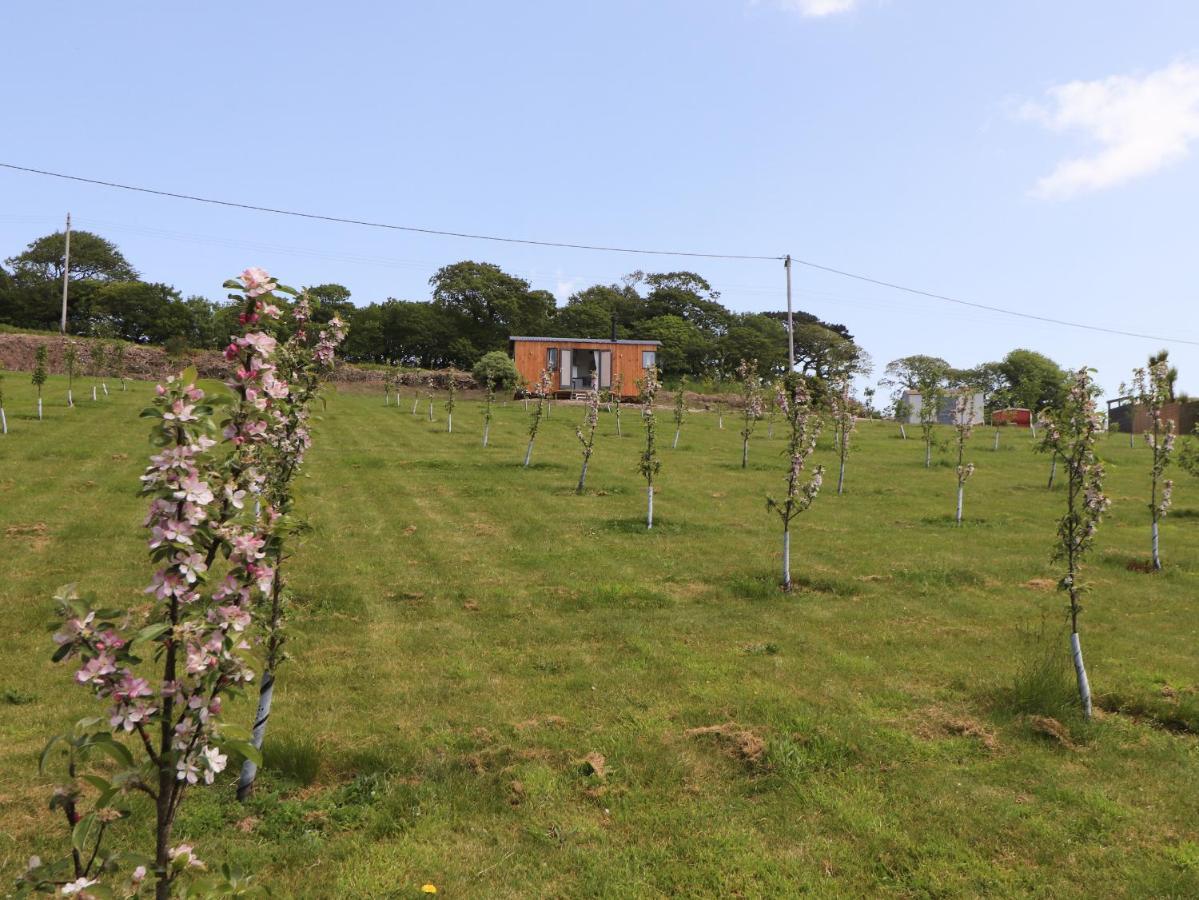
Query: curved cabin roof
570	340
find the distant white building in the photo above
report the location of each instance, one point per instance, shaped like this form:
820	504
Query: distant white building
947	411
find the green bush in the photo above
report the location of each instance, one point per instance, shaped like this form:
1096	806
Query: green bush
497	366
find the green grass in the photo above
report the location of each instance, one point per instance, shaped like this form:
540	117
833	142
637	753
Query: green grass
468	631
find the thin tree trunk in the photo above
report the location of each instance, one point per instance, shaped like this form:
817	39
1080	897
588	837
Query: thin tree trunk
529	453
745	453
486	431
1130	442
93	393
995	446
786	558
430	409
928	454
618	434
1157	560
249	769
841	477
649	512
582	477
1080	670
3	422
903	434
1052	472
720	421
449	423
961	488
769	430
70	398
39	409
674	445
415	404
104	385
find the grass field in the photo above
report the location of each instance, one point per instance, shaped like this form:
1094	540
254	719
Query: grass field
470	631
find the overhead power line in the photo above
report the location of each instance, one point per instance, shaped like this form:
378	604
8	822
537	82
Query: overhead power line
601	248
391	227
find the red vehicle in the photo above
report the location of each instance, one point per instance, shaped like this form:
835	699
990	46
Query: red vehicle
1013	415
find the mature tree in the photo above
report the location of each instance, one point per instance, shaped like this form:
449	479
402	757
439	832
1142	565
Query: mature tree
909	371
686	295
142	312
329	300
753	336
591	311
492	303
685	348
1034	380
92	258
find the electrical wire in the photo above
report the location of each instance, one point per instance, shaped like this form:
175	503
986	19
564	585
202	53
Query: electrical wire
602	248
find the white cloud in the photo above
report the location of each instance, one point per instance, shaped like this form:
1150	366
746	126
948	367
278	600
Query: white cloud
819	8
1141	123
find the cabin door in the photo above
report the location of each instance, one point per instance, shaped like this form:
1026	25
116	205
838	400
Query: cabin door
564	369
605	368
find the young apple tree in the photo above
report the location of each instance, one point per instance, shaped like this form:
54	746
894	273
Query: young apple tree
680	411
963	425
70	361
794	401
488	404
1072	433
586	432
649	464
39	375
1152	390
750	384
540	391
450	403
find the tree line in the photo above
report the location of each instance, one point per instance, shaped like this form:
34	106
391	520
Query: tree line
472	309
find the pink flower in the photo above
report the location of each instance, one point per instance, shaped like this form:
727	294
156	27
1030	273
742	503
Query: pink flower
96	668
257	282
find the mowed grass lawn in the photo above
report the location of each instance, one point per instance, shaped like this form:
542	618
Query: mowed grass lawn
469	631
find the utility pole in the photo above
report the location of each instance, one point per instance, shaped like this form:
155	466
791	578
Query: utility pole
66	270
790	318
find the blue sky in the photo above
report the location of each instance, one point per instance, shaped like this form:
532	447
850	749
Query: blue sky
1036	155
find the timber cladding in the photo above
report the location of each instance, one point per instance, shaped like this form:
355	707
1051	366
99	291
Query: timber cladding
575	361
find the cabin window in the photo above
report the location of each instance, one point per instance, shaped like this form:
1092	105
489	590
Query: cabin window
551	358
649	358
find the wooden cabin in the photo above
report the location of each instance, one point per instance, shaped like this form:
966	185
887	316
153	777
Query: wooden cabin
574	362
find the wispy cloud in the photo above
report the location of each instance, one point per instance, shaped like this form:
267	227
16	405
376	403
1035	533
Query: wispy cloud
1141	124
817	9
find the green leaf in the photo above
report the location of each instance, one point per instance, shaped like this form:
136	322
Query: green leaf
150	632
100	784
232	284
81	831
246	749
150	413
231	732
61	653
41	763
189	375
119	752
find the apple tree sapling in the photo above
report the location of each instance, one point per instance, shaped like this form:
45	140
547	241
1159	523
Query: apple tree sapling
488	404
430	384
1152	390
70	360
166	733
680	411
586	432
963	425
794	401
649	464
1072	434
751	403
615	394
117	361
931	392
840	405
39	375
450	403
300	366
539	391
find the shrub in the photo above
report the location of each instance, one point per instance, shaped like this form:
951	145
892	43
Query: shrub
497	367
